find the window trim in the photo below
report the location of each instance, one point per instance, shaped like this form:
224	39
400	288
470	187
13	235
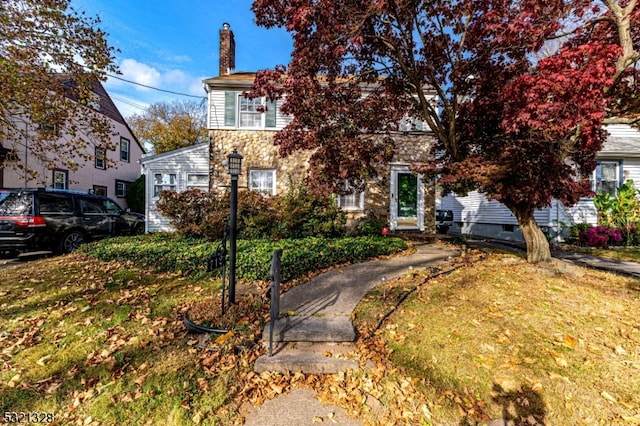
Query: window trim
65	174
274	185
233	111
256	103
189	185
360	200
127	151
596	178
173	187
125	184
100	155
98	188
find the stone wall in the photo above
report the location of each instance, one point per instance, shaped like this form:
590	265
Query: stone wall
259	153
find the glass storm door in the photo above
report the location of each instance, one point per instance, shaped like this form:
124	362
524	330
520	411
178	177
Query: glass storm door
406	209
407	196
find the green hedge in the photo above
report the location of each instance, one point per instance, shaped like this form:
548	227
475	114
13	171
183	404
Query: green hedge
165	252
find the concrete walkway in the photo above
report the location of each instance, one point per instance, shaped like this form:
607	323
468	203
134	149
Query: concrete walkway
317	323
318	320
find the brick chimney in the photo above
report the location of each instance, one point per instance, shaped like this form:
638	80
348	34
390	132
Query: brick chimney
227	50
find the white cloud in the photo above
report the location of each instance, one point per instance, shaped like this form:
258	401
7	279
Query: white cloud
175	77
140	73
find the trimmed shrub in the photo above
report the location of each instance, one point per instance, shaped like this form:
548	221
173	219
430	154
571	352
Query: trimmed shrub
166	252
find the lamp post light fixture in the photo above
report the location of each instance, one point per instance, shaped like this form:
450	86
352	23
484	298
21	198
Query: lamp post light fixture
234	169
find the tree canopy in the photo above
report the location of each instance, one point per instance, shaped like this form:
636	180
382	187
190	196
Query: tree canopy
50	60
168	126
515	92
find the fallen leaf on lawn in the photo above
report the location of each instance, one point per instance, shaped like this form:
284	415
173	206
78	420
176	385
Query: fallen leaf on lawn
561	361
570	341
140	380
42	360
606	395
224	337
317	419
331	416
14	381
554	376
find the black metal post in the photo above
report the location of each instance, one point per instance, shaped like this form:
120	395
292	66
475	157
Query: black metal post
232	239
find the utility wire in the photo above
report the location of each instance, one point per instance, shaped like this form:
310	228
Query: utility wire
155	88
128	102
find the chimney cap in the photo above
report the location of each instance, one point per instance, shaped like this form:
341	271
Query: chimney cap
226	26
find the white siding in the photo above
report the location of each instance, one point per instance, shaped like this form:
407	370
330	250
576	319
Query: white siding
216	113
182	162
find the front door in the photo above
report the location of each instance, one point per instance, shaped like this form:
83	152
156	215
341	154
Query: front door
407	200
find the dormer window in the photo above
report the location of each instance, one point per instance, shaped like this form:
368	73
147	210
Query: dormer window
245	113
250	115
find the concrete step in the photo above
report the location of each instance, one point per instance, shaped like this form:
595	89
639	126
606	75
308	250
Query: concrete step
311	329
308	358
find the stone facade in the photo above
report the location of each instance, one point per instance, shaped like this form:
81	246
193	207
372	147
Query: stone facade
259	152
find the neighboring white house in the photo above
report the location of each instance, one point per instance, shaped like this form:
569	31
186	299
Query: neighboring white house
106	173
176	170
618	162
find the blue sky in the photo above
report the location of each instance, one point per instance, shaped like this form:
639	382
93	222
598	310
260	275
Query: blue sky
173	45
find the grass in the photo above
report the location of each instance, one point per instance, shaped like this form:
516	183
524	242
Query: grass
504	339
103	343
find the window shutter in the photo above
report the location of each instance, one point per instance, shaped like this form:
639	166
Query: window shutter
598	172
230	109
270	114
621	173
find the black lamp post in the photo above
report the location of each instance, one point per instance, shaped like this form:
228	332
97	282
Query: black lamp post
234	168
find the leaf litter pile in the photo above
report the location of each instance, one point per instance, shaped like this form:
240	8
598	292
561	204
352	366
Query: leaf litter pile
100	343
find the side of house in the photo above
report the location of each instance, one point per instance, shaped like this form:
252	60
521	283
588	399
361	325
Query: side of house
618	162
249	125
177	170
107	173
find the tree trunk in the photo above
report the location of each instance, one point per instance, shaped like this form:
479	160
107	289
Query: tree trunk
537	244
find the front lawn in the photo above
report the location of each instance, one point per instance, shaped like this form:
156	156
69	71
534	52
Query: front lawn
504	339
97	337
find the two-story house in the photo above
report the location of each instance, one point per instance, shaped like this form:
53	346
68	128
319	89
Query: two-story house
249	126
104	172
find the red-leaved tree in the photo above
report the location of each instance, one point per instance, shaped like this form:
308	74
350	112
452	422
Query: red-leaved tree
516	92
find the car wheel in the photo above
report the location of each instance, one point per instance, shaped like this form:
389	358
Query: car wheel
138	229
70	241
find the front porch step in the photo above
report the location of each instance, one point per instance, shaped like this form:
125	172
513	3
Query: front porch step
311	329
308	358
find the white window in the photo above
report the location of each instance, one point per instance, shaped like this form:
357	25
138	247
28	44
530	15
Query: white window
606	177
200	181
263	181
60	179
101	159
351	201
122	187
164	182
124	149
249	114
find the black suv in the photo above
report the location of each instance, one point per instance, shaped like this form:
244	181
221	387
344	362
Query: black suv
444	220
59	220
